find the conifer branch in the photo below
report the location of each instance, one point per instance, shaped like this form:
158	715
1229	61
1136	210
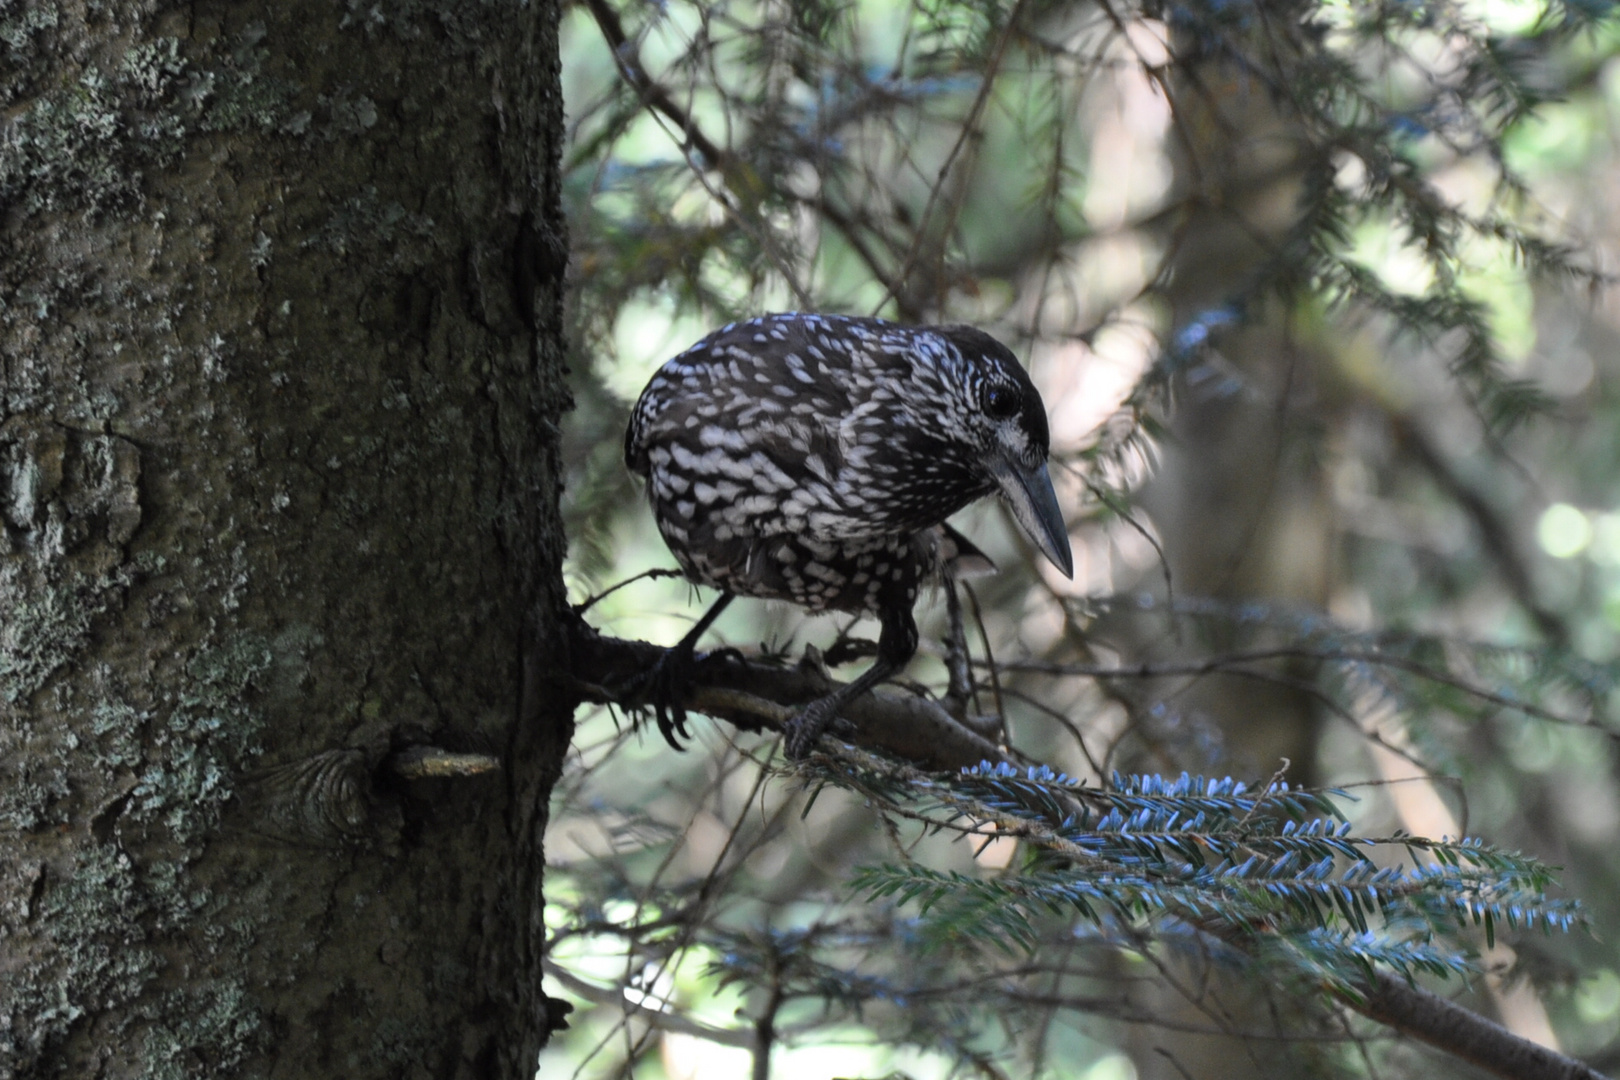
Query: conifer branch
1273	874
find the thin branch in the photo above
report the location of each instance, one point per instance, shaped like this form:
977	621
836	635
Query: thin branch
969	125
1226	663
1492	530
650	92
989	655
765	1026
656	98
654	574
658	1018
1444	1024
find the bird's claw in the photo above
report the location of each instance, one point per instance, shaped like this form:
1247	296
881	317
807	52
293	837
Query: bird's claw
662	688
805	728
665	685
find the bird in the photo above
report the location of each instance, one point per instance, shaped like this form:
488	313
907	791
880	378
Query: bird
815	458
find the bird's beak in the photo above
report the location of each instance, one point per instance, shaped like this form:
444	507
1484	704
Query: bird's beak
1028	491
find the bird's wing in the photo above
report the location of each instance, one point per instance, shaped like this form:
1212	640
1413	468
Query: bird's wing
803	411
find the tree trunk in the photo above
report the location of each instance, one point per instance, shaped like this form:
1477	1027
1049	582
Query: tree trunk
282	365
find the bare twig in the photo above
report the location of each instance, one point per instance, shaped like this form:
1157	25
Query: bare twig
660	101
663	1020
655	96
1229	663
989	655
591	601
969	126
1492	530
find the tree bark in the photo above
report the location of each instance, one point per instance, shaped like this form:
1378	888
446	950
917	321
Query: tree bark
280	374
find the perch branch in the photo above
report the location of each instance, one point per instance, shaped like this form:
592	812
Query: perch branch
758	696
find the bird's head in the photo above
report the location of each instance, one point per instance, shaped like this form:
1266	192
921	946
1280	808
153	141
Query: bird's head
996	408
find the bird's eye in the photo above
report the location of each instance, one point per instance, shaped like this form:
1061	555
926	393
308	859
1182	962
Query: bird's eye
1001	402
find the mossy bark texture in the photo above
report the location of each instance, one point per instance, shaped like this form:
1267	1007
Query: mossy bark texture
280	373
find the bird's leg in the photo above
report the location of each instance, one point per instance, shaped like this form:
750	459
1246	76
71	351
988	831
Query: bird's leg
665	685
896	645
959	692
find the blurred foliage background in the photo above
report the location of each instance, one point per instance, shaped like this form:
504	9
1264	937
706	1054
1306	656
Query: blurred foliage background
1316	296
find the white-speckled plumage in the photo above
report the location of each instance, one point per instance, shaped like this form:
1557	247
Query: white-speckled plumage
815	458
786	457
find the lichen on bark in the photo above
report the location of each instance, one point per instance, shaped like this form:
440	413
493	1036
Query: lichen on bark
279	375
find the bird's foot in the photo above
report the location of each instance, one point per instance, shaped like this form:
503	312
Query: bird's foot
663	687
807	726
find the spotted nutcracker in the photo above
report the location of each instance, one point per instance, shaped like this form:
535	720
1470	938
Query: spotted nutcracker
815	458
